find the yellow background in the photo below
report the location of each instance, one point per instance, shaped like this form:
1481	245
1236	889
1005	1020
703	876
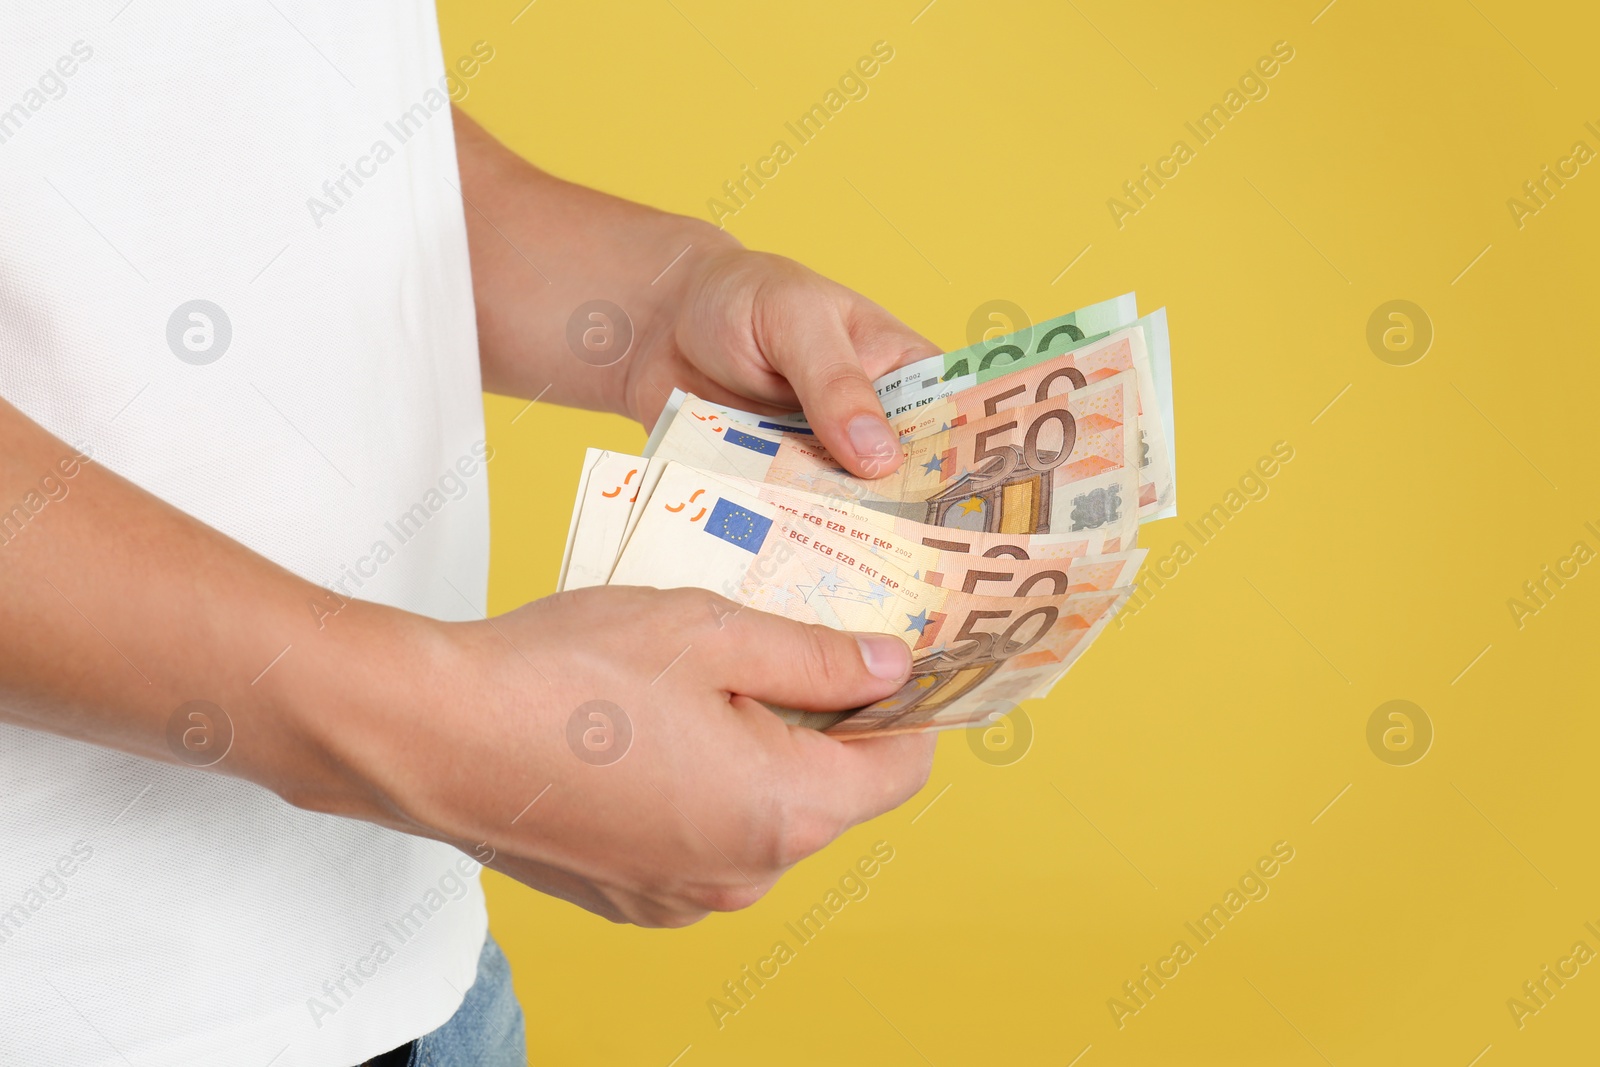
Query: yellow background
1229	712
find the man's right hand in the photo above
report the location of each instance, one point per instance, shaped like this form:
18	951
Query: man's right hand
707	797
119	609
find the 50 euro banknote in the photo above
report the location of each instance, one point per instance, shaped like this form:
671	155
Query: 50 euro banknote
704	436
1122	352
1063	466
975	656
609	487
1006	566
615	487
937	377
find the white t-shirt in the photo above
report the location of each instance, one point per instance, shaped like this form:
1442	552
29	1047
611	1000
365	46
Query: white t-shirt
153	154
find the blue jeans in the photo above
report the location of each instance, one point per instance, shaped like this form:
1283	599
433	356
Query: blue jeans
486	1031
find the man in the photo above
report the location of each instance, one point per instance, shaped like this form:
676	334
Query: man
249	759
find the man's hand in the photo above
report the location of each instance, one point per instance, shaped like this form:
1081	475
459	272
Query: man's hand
450	730
737	327
764	333
713	797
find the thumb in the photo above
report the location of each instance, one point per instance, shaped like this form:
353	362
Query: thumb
814	668
810	345
801	665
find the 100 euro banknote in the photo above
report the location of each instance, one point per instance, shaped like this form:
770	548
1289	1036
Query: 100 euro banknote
940	376
993	357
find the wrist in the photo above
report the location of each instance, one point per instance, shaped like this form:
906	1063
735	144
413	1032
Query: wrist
344	714
700	244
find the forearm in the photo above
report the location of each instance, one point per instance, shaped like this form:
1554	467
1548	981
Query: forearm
541	247
118	609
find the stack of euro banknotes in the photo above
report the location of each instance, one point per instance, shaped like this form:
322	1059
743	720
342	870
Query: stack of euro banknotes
998	550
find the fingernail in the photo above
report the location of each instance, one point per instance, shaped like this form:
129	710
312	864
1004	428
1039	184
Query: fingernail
872	439
886	657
